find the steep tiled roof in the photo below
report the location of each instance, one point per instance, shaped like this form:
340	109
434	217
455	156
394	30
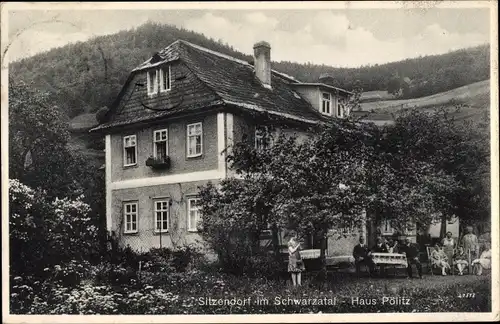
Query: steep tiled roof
235	82
232	81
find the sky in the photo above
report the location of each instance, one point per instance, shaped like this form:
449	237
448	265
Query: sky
341	37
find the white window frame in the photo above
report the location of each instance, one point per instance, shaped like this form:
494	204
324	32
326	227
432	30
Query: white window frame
323	101
130	213
386	223
188	136
160	211
162	71
193	227
340	107
125	146
155	141
258	137
155	83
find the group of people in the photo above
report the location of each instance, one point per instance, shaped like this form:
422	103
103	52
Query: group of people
363	254
444	256
448	253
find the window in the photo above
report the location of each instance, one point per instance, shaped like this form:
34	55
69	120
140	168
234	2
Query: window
387	227
194	140
130	217
348	229
263	138
340	110
165	79
160	139
161	215
129	150
193	214
152	82
326	101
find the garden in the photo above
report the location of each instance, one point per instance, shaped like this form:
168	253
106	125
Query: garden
62	261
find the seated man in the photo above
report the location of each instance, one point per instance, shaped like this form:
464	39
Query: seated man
380	247
362	255
392	246
411	251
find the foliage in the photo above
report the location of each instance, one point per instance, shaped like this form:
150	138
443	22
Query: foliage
456	151
185	293
39	155
44	233
102	64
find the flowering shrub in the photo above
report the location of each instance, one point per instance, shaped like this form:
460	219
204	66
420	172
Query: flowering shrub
45	233
186	293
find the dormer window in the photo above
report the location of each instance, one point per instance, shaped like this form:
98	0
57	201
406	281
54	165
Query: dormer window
165	79
326	104
159	80
152	82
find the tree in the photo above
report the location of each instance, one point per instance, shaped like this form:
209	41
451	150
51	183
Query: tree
322	183
310	187
456	151
394	86
39	154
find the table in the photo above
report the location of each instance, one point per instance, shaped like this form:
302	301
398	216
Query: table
310	254
392	259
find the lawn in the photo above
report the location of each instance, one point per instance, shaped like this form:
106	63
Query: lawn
214	292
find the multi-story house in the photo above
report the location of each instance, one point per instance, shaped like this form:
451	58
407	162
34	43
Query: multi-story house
167	130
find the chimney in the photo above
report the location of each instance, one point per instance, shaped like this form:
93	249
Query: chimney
262	62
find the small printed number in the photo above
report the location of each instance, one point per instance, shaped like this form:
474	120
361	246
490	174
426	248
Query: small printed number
467	295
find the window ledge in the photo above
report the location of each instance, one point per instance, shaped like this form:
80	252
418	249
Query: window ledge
156	232
192	231
131	233
194	156
129	166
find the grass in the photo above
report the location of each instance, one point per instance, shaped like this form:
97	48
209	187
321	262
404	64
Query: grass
376	95
476	95
431	294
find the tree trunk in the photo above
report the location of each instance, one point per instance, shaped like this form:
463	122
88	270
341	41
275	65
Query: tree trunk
322	255
275	241
444	221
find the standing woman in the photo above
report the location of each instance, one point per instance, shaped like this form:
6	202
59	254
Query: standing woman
449	246
295	263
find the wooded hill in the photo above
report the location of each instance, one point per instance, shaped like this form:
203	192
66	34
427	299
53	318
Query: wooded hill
84	76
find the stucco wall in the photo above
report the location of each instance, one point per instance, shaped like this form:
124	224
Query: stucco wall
177	135
146	237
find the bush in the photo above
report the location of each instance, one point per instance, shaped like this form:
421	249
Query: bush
46	233
165	259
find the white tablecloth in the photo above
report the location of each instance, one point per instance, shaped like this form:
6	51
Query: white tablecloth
390	258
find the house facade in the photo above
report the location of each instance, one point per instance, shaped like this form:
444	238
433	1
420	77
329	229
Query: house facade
167	131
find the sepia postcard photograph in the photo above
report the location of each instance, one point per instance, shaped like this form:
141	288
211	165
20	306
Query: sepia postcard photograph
249	162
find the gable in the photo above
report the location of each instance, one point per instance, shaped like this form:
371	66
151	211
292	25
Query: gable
187	93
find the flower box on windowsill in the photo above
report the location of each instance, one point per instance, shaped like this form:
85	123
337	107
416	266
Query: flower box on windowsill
156	163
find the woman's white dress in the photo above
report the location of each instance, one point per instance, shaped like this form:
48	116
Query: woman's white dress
484	260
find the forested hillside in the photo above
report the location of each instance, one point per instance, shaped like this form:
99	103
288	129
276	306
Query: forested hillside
85	76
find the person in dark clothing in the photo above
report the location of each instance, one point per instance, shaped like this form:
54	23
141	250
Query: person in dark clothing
411	251
380	247
362	255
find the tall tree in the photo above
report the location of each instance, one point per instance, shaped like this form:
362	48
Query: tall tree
457	150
